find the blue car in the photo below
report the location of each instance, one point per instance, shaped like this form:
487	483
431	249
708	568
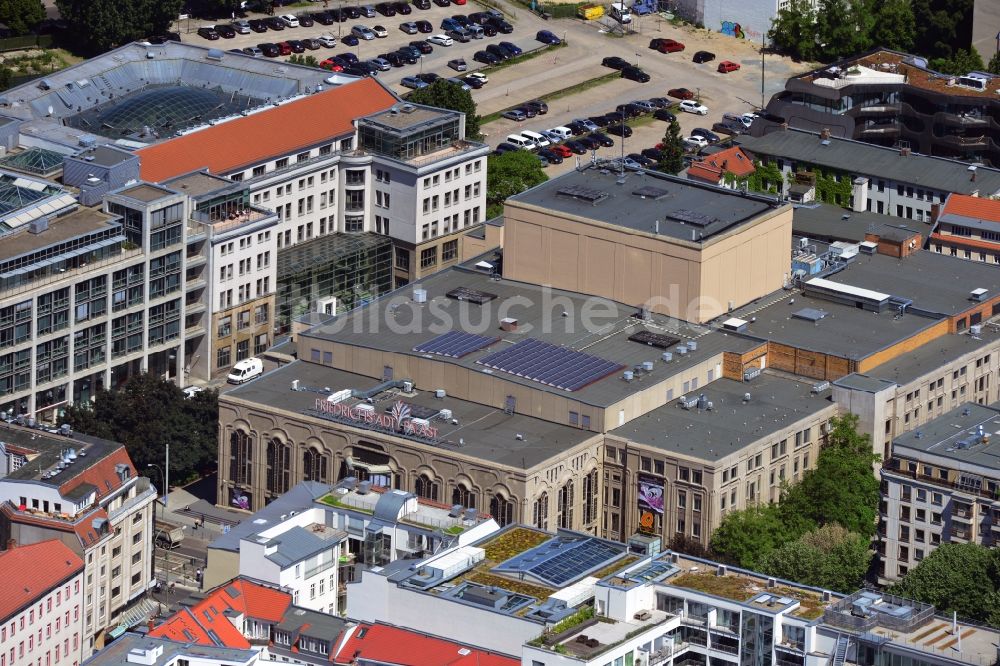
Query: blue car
547	37
349	40
511	48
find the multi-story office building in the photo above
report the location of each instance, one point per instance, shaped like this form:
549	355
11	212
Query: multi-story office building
889	98
968	228
890	181
43	596
86	493
941	485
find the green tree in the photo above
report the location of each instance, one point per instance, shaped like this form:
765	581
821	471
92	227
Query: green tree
104	25
842	488
148	413
21	16
894	26
447	95
962	62
746	537
964	578
828	557
672	153
994	66
842	28
942	27
509	174
793	30
6	77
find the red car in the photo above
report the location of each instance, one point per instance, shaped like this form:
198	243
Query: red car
561	150
331	65
727	66
285	47
666	45
680	93
458	2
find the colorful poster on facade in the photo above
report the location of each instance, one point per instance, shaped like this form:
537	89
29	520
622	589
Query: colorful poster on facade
241	500
651	493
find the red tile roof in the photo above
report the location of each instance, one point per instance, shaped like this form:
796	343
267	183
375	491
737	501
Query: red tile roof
83	527
961	241
102	474
279	131
392	645
711	168
30	572
192	625
975	207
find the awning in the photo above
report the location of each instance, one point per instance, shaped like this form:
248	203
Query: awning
371	468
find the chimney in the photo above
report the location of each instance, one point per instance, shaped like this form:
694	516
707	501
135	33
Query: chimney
11	544
784	126
904	151
151	624
824	134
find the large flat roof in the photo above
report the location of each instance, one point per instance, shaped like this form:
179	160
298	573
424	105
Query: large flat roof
873	161
598	327
844	331
78	223
955	435
936	283
482	432
732	424
932	355
683	208
830	223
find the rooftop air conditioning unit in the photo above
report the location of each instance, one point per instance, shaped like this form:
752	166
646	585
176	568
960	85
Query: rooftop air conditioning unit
407	387
445	414
978	295
647	366
419	295
364	487
692	345
440	393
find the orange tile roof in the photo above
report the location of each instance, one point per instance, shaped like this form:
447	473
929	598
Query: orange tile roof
83	528
391	645
101	474
29	572
974	207
961	241
279	131
192	625
733	160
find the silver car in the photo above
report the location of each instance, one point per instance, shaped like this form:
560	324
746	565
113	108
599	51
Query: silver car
382	64
591	126
363	32
645	105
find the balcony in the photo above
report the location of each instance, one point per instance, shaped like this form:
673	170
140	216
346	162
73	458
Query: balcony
878	109
194	331
193	285
890	129
194	307
963	514
195	260
963	119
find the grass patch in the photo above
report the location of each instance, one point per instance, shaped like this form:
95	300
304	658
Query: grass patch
611	568
511	543
333	500
454	529
737	588
811	606
492	580
38	62
558	94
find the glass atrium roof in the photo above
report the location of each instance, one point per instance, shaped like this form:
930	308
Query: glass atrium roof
38	161
159	112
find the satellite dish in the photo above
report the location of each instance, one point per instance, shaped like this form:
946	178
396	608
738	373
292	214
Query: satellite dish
50	110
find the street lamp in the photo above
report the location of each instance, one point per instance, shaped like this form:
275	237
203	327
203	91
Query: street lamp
421	63
164	501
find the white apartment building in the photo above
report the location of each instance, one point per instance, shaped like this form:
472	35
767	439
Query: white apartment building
134	649
40	619
86	493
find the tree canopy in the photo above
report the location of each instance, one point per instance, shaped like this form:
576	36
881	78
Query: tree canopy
794	30
830	557
942	26
964	578
104	25
21	16
672	154
447	95
841	28
148	413
962	62
509	174
746	537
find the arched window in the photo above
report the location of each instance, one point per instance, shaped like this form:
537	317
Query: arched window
502	510
314	466
564	510
240	457
426	487
464	496
590	497
279	458
540	514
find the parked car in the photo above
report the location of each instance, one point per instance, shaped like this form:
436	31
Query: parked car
409	27
327	41
349	40
629	110
305	21
458	82
547	37
538	105
290	20
473	83
589	142
412	82
603	139
635	74
421	46
587	124
349	58
380	31
708	135
245	370
458	20
646	105
393	59
208	32
422	4
428	77
654	154
363	32
666	45
424	27
696	141
480	77
729	127
528	111
576	128
692	106
575	147
663	114
499	51
503	27
555	140
285	48
458	64
727	66
460	35
241	27
352	12
513	48
641	160
382	64
614	62
258	25
505	147
296	46
269	50
550	156
275	23
680	93
442	3
312	44
619	129
253	51
660	102
515	114
323	18
703	56
368	11
402	8
441	40
486	58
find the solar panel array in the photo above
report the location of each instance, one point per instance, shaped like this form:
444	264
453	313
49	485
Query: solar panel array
455	344
654	339
563	559
549	364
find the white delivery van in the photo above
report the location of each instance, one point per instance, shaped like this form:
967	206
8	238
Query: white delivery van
564	132
522	142
620	12
245	370
539	140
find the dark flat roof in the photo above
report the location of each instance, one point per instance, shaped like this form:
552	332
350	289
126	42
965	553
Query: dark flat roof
403	324
876	162
941	436
719	209
831	223
108	156
200	183
486	433
47	450
78	223
932	356
845	331
145	192
937	283
775	404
